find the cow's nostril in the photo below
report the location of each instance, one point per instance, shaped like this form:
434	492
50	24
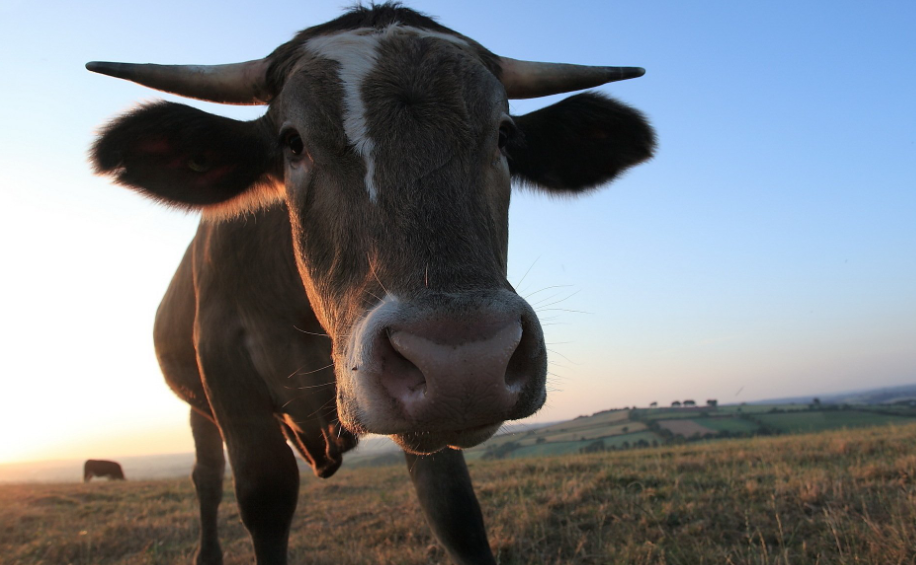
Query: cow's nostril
518	369
402	378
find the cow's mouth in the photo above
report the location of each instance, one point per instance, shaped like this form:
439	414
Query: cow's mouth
424	443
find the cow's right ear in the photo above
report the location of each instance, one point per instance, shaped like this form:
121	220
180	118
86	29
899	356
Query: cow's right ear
190	159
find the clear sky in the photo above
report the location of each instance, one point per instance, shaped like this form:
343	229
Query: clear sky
768	250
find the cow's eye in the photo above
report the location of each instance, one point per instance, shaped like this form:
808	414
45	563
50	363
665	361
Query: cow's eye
293	140
507	131
503	139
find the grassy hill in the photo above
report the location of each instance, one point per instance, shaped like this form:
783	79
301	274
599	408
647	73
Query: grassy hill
844	496
607	430
628	428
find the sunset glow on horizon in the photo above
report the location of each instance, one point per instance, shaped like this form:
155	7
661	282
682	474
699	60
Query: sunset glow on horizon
767	251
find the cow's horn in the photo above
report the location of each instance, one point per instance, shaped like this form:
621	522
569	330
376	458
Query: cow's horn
237	83
529	79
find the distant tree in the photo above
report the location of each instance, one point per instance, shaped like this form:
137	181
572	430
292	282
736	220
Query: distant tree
676	404
689	403
712	403
594	447
500	451
625	429
540	440
653	405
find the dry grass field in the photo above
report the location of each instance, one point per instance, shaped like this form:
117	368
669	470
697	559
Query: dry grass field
829	498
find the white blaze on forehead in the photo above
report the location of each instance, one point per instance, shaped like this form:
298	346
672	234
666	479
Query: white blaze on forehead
356	53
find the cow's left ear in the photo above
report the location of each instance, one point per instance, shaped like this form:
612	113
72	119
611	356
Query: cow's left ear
579	143
191	159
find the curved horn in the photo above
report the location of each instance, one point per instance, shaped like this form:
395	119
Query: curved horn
237	83
529	79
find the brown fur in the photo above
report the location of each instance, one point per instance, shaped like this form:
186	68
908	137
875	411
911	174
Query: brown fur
102	469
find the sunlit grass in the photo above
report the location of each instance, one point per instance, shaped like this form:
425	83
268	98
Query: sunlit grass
834	497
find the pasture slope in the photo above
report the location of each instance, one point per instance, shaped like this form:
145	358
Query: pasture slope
626	428
834	497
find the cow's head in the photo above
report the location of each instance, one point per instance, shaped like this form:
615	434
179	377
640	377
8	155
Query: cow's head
389	141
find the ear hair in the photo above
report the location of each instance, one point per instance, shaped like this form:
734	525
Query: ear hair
579	143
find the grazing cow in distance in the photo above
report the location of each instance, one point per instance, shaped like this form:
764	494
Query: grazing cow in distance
102	468
349	272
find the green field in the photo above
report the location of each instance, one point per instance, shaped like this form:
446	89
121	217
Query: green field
760	408
595	432
572	447
841	497
727	424
813	421
729	411
622	429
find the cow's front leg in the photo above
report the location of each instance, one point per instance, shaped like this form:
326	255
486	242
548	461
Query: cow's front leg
263	466
447	497
209	469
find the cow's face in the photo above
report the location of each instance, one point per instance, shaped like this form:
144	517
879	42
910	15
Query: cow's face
392	149
398	188
395	171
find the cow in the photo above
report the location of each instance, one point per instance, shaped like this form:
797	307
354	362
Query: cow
102	468
348	275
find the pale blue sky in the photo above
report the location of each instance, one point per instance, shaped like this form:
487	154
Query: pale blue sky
769	248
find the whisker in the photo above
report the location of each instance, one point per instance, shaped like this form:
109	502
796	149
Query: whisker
543	300
322	385
526	272
374	274
298	374
542	305
294	373
310	333
564	310
527	296
322	407
563	356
